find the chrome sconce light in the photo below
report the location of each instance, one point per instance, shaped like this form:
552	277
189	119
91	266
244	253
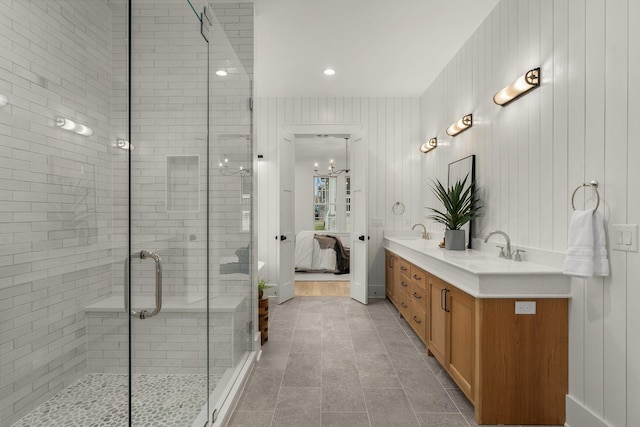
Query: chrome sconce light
429	145
72	126
461	125
523	84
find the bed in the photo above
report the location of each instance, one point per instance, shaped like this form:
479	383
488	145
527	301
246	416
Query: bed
322	252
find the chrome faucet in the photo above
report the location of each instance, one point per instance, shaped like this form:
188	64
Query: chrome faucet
424	232
503	254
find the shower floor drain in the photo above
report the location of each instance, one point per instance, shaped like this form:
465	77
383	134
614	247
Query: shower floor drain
100	400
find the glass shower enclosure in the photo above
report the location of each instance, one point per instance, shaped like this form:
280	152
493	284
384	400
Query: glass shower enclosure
126	264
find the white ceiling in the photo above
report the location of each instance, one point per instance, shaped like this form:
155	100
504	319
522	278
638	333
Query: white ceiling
377	47
320	150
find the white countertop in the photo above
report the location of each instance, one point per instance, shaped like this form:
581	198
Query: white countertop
481	274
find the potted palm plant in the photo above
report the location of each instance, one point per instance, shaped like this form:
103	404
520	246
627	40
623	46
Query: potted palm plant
460	207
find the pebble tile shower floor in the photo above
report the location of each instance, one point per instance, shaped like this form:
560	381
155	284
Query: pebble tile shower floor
100	400
333	362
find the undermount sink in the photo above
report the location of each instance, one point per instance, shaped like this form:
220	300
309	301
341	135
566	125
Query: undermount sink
408	237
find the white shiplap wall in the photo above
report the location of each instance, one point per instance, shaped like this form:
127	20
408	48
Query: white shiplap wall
392	133
578	126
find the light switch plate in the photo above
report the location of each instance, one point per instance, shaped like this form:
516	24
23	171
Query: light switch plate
377	222
525	307
624	237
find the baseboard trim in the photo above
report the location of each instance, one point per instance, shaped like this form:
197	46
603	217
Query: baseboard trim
580	416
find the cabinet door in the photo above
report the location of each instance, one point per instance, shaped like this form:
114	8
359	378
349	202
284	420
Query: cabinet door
389	272
436	325
461	339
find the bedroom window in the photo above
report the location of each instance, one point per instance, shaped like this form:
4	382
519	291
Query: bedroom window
324	199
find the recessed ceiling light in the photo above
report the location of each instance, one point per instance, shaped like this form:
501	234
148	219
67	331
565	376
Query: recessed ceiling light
221	73
329	72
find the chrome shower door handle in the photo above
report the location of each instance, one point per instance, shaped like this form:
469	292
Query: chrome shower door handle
143	314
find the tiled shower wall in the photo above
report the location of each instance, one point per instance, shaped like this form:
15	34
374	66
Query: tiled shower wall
55	193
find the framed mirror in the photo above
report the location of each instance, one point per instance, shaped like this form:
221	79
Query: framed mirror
457	171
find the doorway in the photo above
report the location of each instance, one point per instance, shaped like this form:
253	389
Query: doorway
322	211
315	196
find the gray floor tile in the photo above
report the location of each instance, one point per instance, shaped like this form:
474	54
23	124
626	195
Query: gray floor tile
342	399
296	418
337	363
261	390
299	397
391	381
306	341
309	321
389	407
344	375
441	420
344	419
251	419
303	370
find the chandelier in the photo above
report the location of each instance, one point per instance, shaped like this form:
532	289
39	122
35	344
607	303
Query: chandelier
332	170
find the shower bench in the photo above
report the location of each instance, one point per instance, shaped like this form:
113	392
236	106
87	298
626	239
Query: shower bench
173	342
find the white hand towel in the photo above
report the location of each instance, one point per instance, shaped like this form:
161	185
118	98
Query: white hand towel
600	261
580	251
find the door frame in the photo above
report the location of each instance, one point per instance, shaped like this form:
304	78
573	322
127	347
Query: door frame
355	131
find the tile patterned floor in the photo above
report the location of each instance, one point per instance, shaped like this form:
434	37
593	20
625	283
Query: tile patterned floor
100	400
333	362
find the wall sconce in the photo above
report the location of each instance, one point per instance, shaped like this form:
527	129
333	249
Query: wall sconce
123	144
72	126
461	125
429	145
524	83
3	100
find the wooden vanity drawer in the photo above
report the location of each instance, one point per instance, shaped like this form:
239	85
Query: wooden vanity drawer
418	296
405	267
404	285
418	319
419	277
403	304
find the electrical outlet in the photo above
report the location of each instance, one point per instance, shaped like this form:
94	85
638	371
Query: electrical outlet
525	307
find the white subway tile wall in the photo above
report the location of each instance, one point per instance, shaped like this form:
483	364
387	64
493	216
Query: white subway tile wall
56	197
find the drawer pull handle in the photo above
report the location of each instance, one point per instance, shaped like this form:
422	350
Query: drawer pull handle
403	284
403	268
415	276
415	295
415	319
404	305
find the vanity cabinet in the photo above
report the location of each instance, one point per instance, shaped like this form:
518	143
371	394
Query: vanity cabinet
512	367
451	334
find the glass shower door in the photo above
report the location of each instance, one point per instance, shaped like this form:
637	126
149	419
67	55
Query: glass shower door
166	294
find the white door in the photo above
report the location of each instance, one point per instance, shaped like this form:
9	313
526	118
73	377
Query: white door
285	234
359	225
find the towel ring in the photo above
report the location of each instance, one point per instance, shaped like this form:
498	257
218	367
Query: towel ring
398	208
593	184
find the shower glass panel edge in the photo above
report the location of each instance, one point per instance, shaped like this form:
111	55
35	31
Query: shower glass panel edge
167	221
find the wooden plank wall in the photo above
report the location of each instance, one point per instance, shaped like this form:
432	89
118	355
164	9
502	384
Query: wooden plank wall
581	124
392	133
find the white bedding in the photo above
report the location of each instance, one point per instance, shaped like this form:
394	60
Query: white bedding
309	256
